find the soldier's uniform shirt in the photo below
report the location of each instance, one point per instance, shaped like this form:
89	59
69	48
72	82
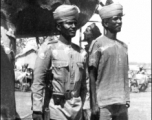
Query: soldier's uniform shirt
111	60
68	68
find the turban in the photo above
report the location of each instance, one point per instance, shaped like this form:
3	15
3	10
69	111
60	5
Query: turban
66	12
111	10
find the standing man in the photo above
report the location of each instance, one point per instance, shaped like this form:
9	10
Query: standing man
67	62
90	34
109	69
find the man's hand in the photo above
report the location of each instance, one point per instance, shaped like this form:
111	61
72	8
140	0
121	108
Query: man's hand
37	116
87	114
95	110
128	104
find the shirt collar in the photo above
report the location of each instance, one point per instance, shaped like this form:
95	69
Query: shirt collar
64	41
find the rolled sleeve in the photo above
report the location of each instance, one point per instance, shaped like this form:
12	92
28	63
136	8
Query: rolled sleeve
94	55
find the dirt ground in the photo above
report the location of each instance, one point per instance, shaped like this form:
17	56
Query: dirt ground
140	105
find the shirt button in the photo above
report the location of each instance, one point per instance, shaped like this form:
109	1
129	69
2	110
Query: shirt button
72	76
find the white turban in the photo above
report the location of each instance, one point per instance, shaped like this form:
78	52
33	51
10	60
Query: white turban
66	12
111	10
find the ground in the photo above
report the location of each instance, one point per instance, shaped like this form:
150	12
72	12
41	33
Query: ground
140	105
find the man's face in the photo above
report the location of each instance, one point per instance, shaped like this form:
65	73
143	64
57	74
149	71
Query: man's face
88	34
68	28
114	24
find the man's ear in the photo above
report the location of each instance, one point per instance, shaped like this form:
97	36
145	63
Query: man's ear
58	26
105	23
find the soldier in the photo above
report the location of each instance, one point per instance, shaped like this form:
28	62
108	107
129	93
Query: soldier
67	62
109	69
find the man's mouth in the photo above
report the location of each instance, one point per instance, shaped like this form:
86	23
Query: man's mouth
118	26
72	31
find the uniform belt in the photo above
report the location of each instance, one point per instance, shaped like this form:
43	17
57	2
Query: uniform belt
68	95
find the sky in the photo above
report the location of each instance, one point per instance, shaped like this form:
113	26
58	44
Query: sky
136	29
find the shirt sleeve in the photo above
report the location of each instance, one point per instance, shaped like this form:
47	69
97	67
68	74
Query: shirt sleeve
94	59
38	86
94	55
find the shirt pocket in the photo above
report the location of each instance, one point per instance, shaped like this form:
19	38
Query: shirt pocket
80	65
60	63
80	72
60	70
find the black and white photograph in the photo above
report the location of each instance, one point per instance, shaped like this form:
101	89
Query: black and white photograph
75	60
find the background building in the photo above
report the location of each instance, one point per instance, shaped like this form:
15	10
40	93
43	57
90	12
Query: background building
27	57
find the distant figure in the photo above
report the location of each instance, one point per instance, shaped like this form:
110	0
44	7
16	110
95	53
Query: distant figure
25	67
142	80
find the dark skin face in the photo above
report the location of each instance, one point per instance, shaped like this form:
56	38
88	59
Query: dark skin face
88	35
114	24
68	28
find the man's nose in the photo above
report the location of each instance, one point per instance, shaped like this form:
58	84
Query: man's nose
73	25
119	21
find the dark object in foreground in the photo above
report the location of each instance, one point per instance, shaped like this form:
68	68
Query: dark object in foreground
35	18
8	108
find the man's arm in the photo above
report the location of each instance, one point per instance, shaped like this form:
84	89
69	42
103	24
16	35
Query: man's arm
127	86
42	64
93	66
86	106
93	77
85	81
85	90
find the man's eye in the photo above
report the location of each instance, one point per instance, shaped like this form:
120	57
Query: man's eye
89	29
71	23
117	18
